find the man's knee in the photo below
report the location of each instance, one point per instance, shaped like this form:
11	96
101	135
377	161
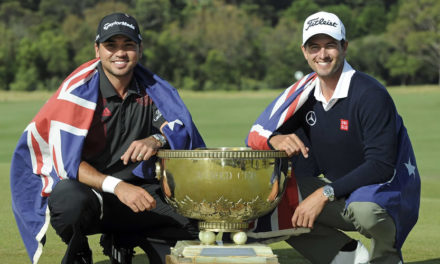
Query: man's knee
370	219
69	200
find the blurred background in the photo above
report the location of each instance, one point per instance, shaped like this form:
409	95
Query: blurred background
207	45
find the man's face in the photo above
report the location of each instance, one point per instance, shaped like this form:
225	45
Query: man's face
119	55
325	55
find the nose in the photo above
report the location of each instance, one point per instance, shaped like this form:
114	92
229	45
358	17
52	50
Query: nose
120	52
322	53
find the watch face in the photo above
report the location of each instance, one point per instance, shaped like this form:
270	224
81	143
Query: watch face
328	191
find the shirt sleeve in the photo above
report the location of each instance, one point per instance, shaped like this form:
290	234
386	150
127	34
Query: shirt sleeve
158	118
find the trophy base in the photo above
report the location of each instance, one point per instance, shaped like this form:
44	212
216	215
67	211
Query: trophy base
193	252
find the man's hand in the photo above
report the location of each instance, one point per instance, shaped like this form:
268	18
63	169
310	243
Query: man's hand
141	149
309	209
134	197
290	143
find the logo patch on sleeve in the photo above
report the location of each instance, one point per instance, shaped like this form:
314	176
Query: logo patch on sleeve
344	125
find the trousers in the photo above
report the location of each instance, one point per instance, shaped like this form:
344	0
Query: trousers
327	237
77	211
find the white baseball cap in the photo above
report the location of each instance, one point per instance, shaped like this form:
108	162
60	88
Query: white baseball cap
323	23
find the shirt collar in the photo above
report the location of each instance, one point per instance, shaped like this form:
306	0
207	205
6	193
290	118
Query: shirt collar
107	89
341	90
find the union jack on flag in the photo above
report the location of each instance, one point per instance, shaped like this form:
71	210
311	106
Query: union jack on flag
41	160
278	223
51	145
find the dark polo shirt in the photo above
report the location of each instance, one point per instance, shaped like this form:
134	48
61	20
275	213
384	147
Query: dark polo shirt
116	124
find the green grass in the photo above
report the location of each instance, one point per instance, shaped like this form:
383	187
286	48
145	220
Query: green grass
224	119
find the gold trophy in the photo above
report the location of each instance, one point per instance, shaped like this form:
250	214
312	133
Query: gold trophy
225	189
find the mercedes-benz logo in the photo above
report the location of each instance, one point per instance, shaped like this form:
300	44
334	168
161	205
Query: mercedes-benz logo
311	118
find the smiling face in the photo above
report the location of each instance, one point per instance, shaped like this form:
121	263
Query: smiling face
119	55
325	56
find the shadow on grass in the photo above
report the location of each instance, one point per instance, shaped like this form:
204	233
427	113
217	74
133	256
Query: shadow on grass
138	259
291	256
285	256
428	261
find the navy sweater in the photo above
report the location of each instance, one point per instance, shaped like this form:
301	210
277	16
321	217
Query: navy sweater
354	143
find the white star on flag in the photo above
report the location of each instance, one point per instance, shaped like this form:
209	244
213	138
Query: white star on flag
411	169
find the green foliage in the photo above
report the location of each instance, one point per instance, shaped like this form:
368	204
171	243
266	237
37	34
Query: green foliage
415	36
7	58
283	54
152	14
26	77
219	44
378	50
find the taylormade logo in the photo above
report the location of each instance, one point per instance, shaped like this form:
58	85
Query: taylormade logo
116	23
320	21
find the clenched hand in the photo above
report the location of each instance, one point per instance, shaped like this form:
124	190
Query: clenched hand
134	197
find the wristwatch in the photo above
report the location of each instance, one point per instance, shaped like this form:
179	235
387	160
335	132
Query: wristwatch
160	138
329	193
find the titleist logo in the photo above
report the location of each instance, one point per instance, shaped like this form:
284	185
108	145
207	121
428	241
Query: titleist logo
123	23
320	21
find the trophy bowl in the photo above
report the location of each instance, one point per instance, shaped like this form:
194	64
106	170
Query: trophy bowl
224	188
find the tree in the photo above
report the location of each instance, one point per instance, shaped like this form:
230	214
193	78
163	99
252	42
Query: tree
7	57
374	63
27	76
213	33
152	14
415	36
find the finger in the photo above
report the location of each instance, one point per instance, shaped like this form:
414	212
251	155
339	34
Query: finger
300	220
295	219
310	223
150	153
305	221
300	144
150	200
127	155
140	207
136	154
140	156
134	208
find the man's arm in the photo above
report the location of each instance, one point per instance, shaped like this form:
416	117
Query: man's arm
131	195
309	209
143	149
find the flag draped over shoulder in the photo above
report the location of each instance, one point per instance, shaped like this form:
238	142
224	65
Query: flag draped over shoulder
278	223
51	145
400	196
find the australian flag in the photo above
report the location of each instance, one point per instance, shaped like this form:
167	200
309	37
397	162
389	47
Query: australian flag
400	196
51	145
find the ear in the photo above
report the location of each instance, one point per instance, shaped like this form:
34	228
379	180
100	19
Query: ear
97	50
304	51
344	47
141	50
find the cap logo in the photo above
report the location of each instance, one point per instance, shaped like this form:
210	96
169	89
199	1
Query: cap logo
115	23
320	21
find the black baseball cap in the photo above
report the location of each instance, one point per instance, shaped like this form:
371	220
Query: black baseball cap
118	24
